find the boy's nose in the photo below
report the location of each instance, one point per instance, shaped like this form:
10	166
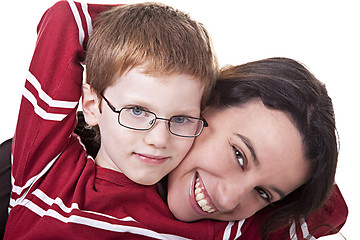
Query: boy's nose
158	135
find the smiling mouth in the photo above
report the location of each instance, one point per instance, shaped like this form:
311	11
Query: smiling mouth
202	198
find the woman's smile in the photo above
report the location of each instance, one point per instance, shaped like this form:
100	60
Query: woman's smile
199	197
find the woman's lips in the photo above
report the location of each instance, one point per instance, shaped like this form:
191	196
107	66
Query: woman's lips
202	198
150	159
199	198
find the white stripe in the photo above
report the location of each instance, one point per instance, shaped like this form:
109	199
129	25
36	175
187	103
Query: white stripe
41	112
96	223
84	7
305	230
227	231
83	146
12	163
293	235
30	182
240	224
12	201
78	21
80	142
49	201
90	157
45	97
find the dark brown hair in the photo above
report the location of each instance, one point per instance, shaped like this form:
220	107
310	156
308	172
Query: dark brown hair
286	85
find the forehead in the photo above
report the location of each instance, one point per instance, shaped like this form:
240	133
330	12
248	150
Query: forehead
143	72
158	93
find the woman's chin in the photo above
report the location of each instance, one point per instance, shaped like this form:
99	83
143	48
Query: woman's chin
184	215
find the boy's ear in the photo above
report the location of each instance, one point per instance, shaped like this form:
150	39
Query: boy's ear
90	105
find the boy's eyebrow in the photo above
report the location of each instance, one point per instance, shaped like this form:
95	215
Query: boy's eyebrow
248	144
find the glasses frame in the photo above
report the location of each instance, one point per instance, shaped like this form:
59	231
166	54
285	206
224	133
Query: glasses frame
205	124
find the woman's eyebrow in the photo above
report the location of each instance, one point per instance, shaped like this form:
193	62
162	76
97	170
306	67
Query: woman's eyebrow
248	144
278	191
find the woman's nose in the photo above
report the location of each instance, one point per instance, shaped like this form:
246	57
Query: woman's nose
158	135
232	194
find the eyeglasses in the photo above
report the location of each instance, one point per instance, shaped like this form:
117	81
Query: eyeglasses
137	118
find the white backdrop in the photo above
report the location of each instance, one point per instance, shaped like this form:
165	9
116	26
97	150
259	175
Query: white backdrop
322	34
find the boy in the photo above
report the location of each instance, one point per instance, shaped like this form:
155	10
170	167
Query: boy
155	65
149	71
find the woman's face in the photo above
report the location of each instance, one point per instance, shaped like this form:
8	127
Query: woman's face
248	157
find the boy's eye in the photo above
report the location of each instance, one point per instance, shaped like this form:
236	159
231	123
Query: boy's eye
239	157
137	111
178	119
182	120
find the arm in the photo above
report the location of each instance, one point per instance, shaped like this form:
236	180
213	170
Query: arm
47	114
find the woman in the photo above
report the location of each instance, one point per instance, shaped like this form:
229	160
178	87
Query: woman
271	141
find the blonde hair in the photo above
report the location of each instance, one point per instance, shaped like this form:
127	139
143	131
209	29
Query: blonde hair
160	39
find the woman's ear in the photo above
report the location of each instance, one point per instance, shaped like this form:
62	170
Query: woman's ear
90	105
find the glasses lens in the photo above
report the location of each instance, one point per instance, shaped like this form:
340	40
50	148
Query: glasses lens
136	118
185	126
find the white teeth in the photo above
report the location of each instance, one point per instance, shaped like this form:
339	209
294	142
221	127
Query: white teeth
202	203
200	198
197	191
206	208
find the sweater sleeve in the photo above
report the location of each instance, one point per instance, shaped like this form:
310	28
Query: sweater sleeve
327	220
52	91
331	217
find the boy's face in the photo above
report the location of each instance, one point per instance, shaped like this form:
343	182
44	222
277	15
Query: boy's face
146	156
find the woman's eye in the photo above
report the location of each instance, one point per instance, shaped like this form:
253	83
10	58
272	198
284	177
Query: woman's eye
263	194
239	157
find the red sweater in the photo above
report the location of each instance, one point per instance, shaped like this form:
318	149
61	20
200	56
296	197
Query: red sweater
57	190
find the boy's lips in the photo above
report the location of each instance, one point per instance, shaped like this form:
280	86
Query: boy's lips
151	159
199	197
